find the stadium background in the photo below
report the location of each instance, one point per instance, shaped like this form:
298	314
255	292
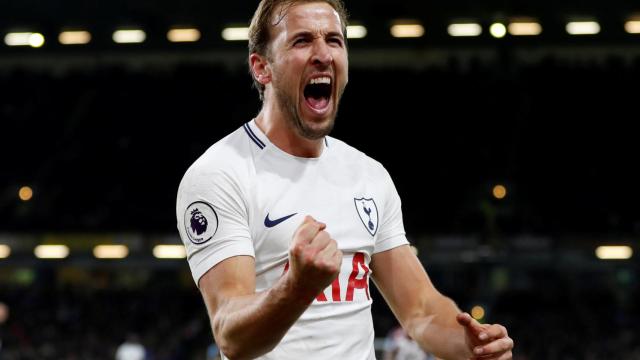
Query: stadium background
101	134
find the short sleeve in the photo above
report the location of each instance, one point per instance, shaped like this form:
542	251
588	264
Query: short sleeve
212	220
391	233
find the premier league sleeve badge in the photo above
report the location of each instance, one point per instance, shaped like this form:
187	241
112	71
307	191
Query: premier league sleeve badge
200	222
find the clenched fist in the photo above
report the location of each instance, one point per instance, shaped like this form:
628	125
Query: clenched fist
314	258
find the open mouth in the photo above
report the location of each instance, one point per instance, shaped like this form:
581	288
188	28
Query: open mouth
317	93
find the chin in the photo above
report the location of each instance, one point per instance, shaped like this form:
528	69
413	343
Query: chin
315	129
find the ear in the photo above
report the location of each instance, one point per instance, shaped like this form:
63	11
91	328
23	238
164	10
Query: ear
260	68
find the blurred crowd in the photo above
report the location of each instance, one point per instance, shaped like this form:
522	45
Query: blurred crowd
94	142
75	323
560	316
104	150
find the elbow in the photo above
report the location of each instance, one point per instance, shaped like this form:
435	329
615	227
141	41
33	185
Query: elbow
230	348
232	352
237	348
240	352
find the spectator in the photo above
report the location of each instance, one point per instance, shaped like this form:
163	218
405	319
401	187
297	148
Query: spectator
399	346
131	349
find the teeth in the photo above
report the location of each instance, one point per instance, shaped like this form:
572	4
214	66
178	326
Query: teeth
320	80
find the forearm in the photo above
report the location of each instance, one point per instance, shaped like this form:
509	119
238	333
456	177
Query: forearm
439	333
252	325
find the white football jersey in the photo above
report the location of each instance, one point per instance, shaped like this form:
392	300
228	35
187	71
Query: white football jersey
245	196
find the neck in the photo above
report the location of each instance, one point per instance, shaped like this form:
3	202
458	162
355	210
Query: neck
271	120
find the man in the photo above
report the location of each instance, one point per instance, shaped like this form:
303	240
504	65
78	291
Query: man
297	221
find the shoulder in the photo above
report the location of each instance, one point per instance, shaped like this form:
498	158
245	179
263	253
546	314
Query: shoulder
230	157
354	157
224	170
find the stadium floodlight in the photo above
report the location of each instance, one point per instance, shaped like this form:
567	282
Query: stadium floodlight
464	29
356	31
169	252
236	33
5	251
632	26
407	30
110	251
77	37
25	193
32	39
499	192
51	251
498	30
477	312
36	40
614	252
131	36
528	28
583	28
183	35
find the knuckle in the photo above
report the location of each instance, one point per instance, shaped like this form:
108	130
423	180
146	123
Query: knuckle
336	268
504	330
494	330
506	345
329	267
295	249
319	264
308	257
324	235
333	267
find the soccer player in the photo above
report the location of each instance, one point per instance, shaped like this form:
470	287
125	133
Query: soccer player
284	225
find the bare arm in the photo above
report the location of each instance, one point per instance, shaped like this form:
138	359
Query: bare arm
425	314
247	324
239	316
429	317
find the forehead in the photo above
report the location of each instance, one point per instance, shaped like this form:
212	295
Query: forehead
313	16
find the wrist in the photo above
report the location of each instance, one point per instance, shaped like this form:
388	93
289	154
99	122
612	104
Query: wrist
295	290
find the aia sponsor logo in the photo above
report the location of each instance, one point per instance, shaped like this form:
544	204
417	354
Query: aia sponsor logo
355	279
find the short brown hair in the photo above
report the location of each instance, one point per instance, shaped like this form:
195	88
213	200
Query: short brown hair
262	19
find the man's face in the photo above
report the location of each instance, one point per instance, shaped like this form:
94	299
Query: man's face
308	57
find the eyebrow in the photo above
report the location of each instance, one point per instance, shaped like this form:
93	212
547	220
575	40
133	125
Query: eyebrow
334	33
307	33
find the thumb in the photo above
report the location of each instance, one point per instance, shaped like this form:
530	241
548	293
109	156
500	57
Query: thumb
310	220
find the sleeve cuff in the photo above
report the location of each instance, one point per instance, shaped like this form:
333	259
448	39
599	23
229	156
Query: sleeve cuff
391	242
212	259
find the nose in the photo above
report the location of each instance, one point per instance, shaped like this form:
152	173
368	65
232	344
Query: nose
321	54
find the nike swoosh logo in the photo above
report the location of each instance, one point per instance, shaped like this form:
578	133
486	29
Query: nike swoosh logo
271	223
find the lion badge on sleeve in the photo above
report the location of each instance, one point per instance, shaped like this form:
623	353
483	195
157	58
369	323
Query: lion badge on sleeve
201	222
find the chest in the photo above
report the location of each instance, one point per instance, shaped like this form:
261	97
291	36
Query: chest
349	201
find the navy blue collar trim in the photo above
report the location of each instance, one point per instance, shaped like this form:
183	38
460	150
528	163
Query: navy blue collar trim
253	136
259	142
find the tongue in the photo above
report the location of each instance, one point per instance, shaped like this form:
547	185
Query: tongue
318	103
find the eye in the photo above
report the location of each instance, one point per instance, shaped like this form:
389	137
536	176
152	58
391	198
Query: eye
335	40
300	41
